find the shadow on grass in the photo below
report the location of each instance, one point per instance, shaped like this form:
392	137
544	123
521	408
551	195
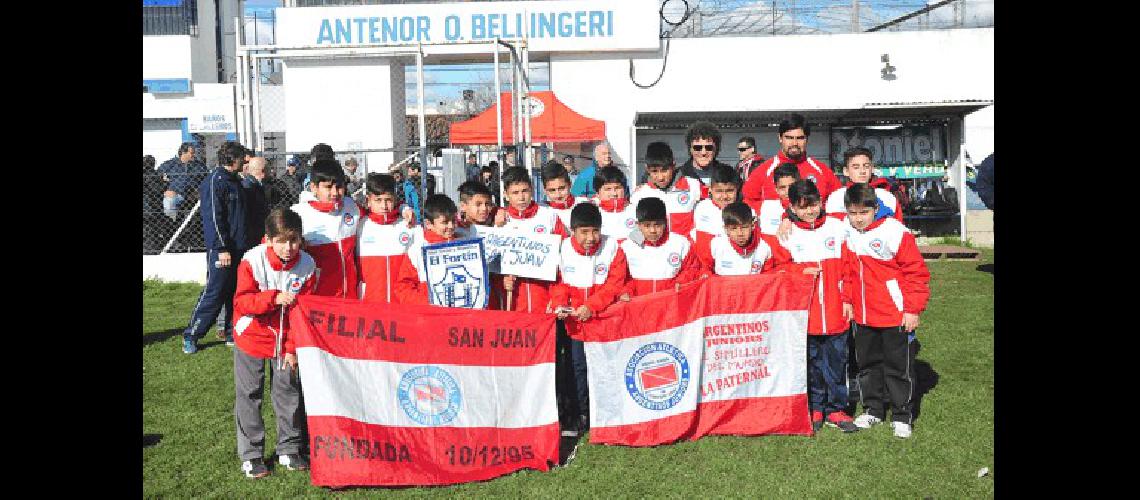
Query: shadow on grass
986	268
151	440
155	338
925	380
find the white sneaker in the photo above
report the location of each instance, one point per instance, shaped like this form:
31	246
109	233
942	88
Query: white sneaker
902	429
866	420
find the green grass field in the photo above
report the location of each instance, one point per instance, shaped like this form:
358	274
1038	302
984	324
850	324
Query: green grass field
188	403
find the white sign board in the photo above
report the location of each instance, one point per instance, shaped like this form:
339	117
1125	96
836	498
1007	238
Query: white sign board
212	111
550	26
456	274
529	255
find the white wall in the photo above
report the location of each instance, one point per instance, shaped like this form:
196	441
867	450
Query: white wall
205	45
345	103
980	134
186	267
161	139
801	72
166	57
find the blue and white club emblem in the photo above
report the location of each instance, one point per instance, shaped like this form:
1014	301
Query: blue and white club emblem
458	288
674	259
429	395
630	223
294	284
683	198
657	376
348	220
405	238
600	270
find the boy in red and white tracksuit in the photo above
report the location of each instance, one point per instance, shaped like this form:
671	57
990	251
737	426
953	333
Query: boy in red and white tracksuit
382	245
816	246
771	212
658	258
679	193
525	216
269	278
741	250
858	168
331	225
886	286
724	188
556	186
591	275
618	217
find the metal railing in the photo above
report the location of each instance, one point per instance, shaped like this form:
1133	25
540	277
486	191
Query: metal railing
170	18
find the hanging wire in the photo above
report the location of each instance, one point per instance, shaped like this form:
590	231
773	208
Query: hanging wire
666	35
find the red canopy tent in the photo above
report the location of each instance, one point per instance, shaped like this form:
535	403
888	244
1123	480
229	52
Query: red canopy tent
550	122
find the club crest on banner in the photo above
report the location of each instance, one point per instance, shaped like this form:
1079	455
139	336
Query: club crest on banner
457	288
429	395
657	376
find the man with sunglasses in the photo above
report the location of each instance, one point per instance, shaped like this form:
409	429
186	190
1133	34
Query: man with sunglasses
793	137
749	158
703	139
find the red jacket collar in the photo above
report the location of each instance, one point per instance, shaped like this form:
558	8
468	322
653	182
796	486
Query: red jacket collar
276	263
582	251
873	225
614	205
810	225
526	213
561	205
459	222
875	182
780	158
749	248
325	206
385	218
664	238
431	238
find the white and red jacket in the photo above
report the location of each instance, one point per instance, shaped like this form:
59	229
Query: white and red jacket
382	247
529	295
618	218
654	267
759	186
330	238
820	244
724	258
708	223
771	214
835	205
884	274
593	279
680	198
563	208
411	280
260	276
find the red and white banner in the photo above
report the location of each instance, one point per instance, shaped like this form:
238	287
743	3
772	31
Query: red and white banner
724	356
423	395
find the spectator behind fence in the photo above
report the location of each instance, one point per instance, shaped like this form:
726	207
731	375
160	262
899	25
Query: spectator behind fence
487	177
256	200
286	187
181	173
411	188
154	222
584	181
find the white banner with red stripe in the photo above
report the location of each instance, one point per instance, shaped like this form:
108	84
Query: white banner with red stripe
422	395
724	356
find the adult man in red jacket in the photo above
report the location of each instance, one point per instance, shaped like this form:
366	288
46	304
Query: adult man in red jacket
793	137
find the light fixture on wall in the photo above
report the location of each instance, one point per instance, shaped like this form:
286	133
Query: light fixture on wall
888	71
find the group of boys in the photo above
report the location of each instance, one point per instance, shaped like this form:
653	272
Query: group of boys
871	283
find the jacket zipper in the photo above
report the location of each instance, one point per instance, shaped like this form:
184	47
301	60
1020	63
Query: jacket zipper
863	290
822	307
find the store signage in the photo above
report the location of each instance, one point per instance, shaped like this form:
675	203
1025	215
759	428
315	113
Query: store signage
905	146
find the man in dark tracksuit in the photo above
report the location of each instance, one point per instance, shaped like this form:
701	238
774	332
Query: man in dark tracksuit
223	224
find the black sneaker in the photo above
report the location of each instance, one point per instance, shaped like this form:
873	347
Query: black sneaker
254	468
842	421
293	462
